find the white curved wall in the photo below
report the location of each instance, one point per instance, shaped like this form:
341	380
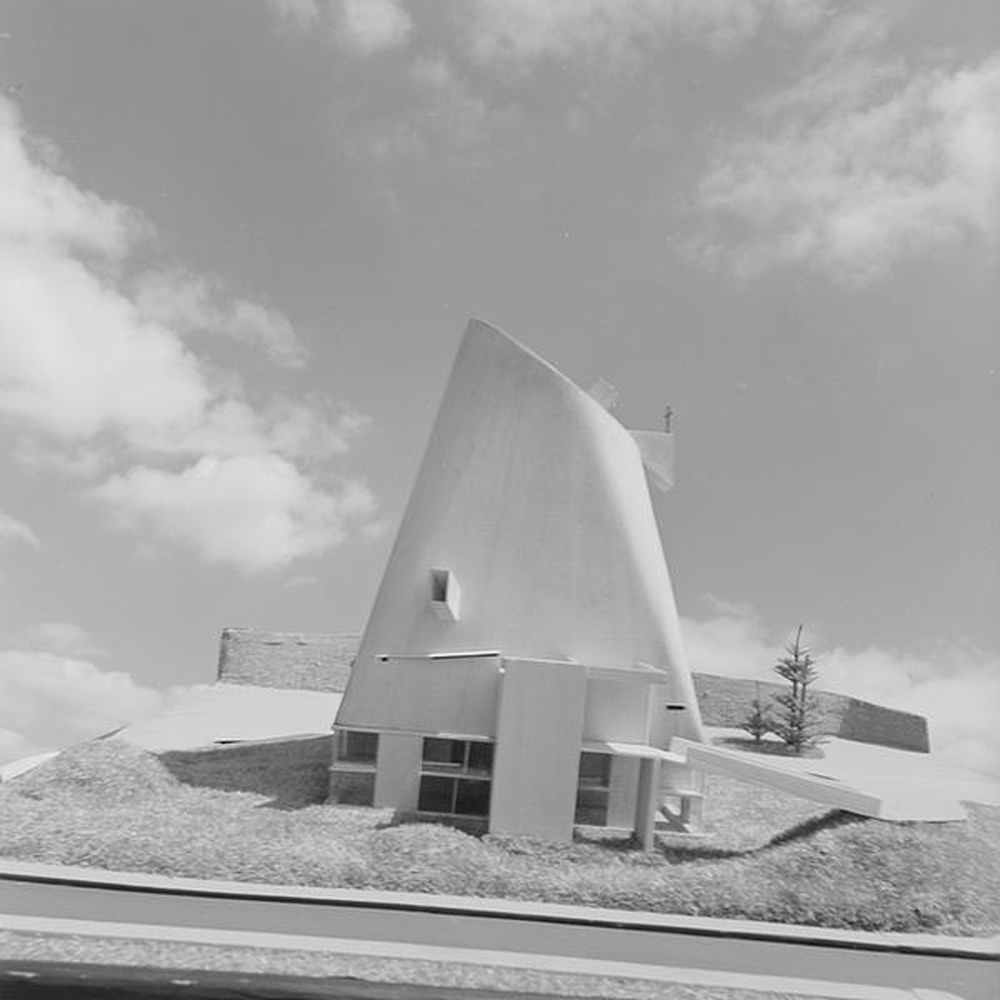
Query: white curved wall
535	498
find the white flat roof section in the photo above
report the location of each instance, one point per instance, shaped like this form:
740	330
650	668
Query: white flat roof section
215	713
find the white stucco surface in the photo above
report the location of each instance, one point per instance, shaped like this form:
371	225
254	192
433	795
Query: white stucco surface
906	785
208	713
536	499
540	721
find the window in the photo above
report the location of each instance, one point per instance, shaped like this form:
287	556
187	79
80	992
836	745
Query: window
352	777
593	785
445	595
357	747
455	777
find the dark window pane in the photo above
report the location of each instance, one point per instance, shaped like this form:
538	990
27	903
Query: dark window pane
435	794
473	798
439	585
591	807
481	758
353	788
595	769
443	753
358	747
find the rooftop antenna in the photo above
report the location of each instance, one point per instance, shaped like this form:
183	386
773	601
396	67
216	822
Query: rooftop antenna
668	417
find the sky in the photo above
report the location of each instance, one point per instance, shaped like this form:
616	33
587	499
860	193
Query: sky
239	243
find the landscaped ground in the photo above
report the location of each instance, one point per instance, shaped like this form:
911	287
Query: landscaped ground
766	856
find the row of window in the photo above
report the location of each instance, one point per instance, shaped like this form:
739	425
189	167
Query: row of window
456	777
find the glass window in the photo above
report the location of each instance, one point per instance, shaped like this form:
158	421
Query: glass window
441	753
591	807
595	770
357	747
480	758
353	788
455	777
472	798
436	794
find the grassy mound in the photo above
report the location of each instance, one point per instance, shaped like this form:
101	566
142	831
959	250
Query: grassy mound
108	771
765	856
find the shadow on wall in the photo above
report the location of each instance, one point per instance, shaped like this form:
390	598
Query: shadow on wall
294	772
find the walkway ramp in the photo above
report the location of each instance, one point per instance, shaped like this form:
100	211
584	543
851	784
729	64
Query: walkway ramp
879	796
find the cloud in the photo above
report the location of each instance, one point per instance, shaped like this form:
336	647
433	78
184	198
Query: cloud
77	359
49	701
103	369
188	303
13	530
524	32
63	638
456	80
956	687
370	26
296	16
253	511
862	164
39	208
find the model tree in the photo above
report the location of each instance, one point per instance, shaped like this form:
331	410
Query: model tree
759	722
798	717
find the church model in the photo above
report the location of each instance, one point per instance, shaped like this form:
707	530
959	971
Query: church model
523	661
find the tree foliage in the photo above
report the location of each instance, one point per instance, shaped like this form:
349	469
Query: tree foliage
759	722
798	717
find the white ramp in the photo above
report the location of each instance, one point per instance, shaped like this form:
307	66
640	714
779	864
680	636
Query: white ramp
872	795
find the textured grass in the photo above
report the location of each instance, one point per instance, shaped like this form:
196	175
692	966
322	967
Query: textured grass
765	856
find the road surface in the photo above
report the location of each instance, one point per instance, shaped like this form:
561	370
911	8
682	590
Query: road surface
971	978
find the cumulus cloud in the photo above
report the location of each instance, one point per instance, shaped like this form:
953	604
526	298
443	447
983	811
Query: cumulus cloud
189	303
369	26
450	60
13	530
77	359
296	15
100	368
865	162
48	701
253	511
63	638
524	31
41	208
956	687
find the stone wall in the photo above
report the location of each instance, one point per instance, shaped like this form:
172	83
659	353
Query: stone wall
726	702
321	662
303	661
861	719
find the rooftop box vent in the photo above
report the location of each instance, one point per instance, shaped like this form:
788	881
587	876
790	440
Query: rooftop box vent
445	595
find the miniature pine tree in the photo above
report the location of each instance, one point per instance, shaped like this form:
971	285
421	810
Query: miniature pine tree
798	717
759	721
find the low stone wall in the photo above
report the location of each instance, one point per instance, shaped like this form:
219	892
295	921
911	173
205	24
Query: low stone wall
863	721
726	702
295	772
297	660
320	662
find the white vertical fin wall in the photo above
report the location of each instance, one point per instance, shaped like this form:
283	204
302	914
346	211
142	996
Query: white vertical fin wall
537	757
535	498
